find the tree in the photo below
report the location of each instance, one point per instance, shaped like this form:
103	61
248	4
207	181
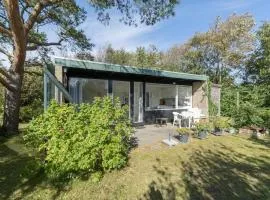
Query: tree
153	57
115	56
22	25
224	47
182	58
85	56
32	94
141	57
258	67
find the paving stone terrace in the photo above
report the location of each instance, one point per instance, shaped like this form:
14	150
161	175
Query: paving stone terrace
152	135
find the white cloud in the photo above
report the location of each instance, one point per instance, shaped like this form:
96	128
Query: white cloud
118	34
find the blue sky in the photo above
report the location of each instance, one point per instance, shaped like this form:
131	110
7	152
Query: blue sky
191	16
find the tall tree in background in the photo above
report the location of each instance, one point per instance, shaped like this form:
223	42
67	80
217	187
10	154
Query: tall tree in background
182	58
258	67
141	57
23	25
225	46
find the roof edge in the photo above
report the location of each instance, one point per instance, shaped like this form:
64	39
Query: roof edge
86	64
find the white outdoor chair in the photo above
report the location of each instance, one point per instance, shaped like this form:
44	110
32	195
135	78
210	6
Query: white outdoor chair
196	114
187	115
176	119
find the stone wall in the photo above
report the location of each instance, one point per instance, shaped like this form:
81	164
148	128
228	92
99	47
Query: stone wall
199	96
216	95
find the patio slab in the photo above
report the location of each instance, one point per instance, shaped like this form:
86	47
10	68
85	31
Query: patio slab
152	134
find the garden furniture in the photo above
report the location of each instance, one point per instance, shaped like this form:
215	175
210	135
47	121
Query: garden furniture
176	119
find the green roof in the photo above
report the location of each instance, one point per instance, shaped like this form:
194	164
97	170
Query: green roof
99	66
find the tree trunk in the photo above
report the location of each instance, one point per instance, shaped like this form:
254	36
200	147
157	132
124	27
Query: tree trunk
12	106
19	38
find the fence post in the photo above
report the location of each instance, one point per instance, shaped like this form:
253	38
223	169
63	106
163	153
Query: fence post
237	100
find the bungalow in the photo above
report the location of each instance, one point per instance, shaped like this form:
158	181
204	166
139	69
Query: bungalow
149	93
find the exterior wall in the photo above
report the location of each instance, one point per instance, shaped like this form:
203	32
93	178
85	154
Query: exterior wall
199	96
59	75
215	95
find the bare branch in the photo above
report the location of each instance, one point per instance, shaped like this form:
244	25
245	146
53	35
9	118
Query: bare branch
40	44
5	73
5	31
24	7
35	13
6	84
33	17
3	51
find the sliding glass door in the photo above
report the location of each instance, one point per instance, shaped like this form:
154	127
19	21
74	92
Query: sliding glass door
138	102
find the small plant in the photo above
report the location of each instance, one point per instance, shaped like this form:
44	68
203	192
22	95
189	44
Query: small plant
203	128
222	123
184	134
184	131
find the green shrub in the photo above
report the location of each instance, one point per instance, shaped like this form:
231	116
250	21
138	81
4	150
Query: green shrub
79	139
247	115
184	131
222	122
28	112
265	116
203	126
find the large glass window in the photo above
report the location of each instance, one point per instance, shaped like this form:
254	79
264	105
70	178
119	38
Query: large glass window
138	102
184	96
121	89
85	90
160	96
165	96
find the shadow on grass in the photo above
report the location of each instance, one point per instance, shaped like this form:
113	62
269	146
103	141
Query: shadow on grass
264	141
19	172
211	174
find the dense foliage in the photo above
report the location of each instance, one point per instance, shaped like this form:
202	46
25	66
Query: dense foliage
79	139
32	94
246	105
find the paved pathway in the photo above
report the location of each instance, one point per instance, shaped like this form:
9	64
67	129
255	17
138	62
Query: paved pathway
152	134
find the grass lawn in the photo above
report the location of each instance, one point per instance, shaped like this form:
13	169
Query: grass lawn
227	167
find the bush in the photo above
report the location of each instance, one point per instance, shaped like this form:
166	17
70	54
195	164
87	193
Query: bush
222	122
247	115
184	131
203	126
265	116
79	139
28	112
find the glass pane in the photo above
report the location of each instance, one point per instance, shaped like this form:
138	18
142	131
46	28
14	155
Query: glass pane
160	96
121	90
184	96
50	91
138	102
85	90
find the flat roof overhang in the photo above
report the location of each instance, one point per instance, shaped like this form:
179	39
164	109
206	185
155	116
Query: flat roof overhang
83	68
